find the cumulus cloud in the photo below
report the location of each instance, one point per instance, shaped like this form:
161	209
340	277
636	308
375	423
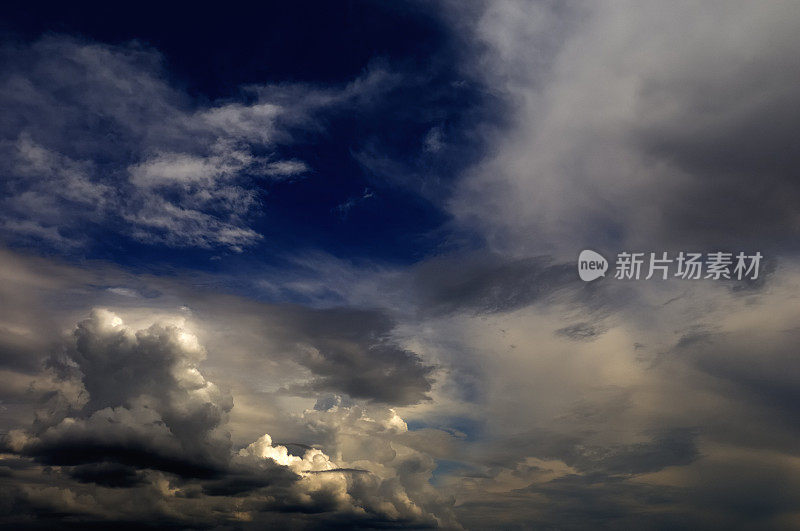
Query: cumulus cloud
142	398
134	412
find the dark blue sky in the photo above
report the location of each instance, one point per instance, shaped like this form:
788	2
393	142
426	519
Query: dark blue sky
390	211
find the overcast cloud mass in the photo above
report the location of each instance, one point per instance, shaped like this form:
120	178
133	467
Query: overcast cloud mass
313	265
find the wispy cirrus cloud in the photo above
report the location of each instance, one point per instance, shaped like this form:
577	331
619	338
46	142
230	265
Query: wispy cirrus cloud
98	135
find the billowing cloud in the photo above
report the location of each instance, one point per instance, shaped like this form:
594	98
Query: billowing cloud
136	397
139	415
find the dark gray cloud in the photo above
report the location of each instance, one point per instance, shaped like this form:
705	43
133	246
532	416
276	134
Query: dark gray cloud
485	283
670	447
754	368
721	499
573	501
112	475
19	353
581	331
729	124
351	351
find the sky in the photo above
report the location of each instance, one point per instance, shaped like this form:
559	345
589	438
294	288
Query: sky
314	265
